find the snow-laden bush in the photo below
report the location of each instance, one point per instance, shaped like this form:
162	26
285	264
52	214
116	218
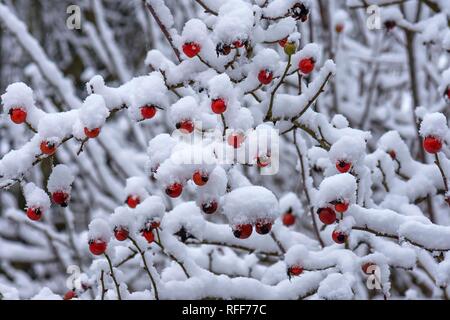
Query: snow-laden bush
268	149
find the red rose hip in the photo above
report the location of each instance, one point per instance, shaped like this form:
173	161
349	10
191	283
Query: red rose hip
295	270
70	295
218	106
210	207
47	147
174	190
133	201
200	178
341	206
432	144
288	219
191	49
97	247
148	112
61	198
242	231
92	133
327	215
121	234
306	66
343	166
148	235
186	126
339	237
265	76
18	115
34	214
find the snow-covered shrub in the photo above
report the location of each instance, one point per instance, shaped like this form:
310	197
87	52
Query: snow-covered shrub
251	149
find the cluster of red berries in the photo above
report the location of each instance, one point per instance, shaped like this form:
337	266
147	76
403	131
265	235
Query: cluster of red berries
327	216
59	197
244	231
432	144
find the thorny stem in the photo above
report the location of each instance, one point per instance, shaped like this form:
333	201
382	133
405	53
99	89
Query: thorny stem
113	276
305	187
144	260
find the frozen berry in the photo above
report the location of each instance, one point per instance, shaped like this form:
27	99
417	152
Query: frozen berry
341	206
365	267
432	144
392	154
218	106
148	112
133	201
191	49
121	234
186	126
70	295
295	270
235	139
327	215
238	44
210	207
343	166
200	178
61	198
174	190
91	133
223	49
263	227
300	12
47	147
34	214
306	66
283	42
18	115
265	76
339	28
148	235
288	219
242	231
339	237
97	247
447	94
155	224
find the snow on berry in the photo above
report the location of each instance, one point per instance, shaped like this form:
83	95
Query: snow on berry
185	216
150	210
248	204
99	229
434	125
347	152
36	198
340	187
291	203
60	180
112	96
184	109
235	21
337	287
136	188
93	112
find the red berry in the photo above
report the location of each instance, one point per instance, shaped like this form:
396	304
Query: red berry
306	66
70	295
148	112
191	49
121	234
61	198
92	133
133	201
235	139
339	28
34	214
265	76
432	144
343	166
174	190
218	106
186	126
392	154
148	235
447	94
200	178
155	224
339	237
341	207
242	231
295	270
365	267
48	148
283	42
390	24
238	44
210	207
327	215
288	219
263	161
18	115
263	227
97	247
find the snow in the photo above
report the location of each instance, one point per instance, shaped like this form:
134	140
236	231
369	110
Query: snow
434	124
136	186
341	187
336	287
61	179
36	197
93	113
99	230
248	204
